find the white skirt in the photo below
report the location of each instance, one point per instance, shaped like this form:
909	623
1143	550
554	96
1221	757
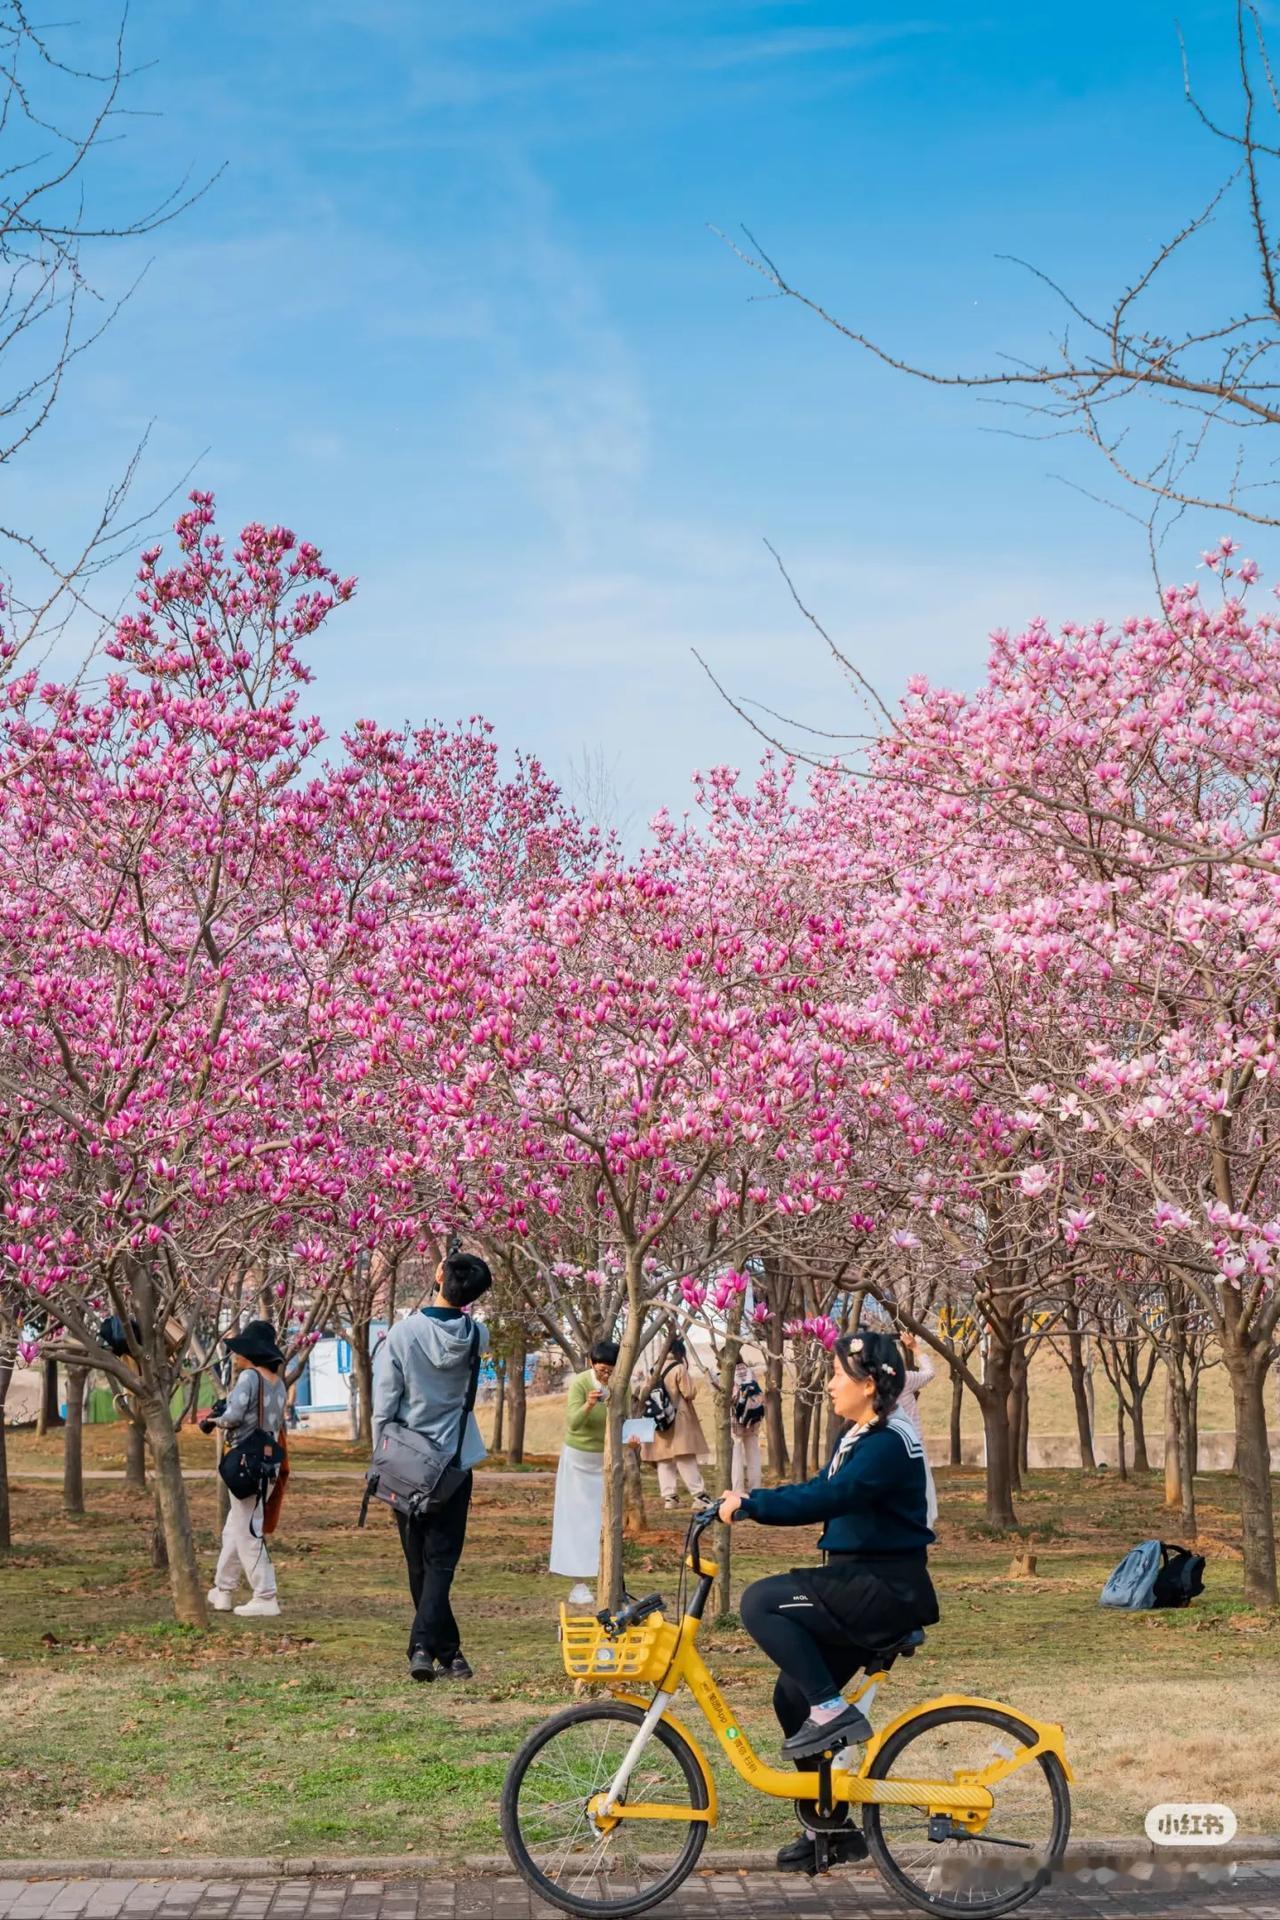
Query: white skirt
575	1530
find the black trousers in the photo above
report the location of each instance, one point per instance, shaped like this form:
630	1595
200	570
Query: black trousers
815	1651
432	1549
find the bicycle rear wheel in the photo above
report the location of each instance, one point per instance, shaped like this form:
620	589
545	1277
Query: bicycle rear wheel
553	1842
981	1874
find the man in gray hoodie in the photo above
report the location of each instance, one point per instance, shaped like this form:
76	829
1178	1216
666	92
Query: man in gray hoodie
423	1375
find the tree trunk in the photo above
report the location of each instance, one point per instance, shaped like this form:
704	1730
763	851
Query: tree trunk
1137	1415
1193	1421
1121	1467
159	1551
957	1410
610	1588
48	1415
185	1583
1024	1427
730	1354
635	1520
1079	1387
135	1454
73	1442
6	1512
362	1368
800	1416
499	1403
722	1593
817	1457
1013	1419
1187	1471
995	1426
833	1427
518	1397
1172	1444
1247	1369
1141	1464
775	1429
1185	1442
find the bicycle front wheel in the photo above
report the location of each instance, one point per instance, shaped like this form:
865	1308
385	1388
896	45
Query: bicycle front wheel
983	1874
570	1859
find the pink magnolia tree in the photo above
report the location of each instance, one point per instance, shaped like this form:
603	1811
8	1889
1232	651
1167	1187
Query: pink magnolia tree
173	984
642	1046
1136	771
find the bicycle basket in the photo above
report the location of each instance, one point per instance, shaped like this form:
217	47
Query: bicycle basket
639	1653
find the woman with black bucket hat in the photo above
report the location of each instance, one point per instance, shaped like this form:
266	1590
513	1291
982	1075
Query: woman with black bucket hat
257	1399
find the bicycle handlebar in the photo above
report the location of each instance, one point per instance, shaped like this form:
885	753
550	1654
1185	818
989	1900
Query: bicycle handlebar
633	1613
697	1527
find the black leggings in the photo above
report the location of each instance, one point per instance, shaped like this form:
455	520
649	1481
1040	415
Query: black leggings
815	1653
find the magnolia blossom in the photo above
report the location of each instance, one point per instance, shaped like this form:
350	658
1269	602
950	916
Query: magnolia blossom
1076	1223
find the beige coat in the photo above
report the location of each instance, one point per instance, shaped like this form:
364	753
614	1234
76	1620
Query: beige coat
686	1436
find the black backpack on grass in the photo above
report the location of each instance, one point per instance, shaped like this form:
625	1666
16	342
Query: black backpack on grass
1180	1579
1154	1574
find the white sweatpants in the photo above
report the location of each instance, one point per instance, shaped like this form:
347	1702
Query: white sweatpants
671	1472
242	1547
746	1461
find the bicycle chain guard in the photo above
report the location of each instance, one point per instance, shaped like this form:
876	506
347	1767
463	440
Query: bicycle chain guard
810	1815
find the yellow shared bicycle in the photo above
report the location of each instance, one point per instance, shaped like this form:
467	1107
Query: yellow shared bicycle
964	1803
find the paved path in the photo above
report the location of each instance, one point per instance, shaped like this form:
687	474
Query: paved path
1253	1892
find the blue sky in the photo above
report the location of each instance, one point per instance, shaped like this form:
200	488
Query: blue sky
454	311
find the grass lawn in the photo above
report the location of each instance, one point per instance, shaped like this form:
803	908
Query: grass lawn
123	1735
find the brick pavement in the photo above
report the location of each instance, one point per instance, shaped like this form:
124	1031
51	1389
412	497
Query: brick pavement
1193	1895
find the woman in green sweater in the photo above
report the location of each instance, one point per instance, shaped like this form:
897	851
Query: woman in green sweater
575	1530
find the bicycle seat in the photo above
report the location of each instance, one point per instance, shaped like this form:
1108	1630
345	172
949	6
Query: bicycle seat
895	1650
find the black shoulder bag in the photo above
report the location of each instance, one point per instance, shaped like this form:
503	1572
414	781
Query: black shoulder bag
252	1464
411	1473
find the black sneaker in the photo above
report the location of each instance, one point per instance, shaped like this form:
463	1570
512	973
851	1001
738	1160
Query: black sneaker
801	1854
456	1669
851	1725
421	1665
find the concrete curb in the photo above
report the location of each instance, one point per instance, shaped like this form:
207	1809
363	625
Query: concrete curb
1112	1858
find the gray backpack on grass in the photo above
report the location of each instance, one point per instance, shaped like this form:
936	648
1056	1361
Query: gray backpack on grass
1154	1574
1133	1584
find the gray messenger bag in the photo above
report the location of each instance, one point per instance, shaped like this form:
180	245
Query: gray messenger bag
413	1475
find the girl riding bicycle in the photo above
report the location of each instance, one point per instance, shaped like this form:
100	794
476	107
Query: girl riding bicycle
820	1624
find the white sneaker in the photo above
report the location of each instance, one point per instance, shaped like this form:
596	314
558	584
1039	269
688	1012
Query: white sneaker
252	1609
218	1600
581	1596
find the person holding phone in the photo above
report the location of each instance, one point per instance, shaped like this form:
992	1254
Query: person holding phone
679	1451
575	1526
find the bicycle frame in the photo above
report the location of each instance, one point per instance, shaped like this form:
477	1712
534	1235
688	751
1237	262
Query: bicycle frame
969	1804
